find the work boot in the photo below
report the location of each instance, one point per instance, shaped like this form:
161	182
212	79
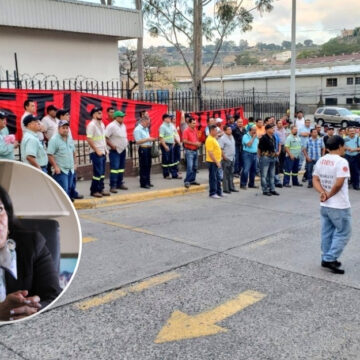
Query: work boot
122	187
113	190
105	193
97	195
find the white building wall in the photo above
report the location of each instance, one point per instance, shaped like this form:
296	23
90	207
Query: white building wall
63	54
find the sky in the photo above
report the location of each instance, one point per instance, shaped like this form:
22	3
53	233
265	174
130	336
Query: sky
318	20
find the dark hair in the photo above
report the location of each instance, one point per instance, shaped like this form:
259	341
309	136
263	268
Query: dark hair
110	108
212	127
266	119
251	119
334	142
191	119
226	127
236	117
279	120
142	113
313	129
27	103
258	119
12	221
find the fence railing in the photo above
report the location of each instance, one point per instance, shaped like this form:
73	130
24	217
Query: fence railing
254	103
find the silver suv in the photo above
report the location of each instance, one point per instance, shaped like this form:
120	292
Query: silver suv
336	116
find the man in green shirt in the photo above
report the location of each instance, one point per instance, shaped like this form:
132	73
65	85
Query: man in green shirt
7	142
292	158
61	153
32	150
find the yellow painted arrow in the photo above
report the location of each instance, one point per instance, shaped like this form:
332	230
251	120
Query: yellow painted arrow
182	326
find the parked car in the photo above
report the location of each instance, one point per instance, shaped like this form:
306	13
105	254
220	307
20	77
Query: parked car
336	116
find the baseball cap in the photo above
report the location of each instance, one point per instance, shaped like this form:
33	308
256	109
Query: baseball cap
95	109
63	123
29	118
218	120
2	115
118	113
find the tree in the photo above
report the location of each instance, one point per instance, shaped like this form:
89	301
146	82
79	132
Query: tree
246	59
308	43
286	44
178	22
152	67
243	45
128	65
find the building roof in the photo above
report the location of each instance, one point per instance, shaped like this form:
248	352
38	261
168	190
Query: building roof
72	16
330	59
285	73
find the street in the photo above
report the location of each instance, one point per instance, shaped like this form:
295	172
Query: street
189	277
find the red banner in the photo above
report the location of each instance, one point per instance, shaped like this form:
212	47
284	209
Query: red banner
202	118
80	105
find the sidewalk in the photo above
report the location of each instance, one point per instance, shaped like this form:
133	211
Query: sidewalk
162	188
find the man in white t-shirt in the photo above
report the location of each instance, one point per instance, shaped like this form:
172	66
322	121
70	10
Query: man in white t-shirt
330	179
299	120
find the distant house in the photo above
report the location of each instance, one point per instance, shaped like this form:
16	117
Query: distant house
65	38
347	33
337	85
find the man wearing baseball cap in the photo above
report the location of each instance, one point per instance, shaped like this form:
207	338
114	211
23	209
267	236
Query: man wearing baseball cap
116	139
95	132
32	150
61	154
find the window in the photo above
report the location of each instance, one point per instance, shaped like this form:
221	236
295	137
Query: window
319	110
350	81
349	100
330	101
332	82
357	80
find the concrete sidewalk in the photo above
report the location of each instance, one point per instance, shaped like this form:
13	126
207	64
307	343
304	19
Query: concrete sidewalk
162	188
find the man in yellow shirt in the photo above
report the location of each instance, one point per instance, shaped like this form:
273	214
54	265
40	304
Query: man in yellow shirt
213	160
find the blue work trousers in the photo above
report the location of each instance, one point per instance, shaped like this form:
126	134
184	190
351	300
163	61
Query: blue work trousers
117	168
291	168
99	163
144	165
168	162
354	170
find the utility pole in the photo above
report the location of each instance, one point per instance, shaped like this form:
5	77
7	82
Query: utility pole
293	61
197	75
139	54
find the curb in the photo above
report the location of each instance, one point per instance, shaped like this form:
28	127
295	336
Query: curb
94	203
136	197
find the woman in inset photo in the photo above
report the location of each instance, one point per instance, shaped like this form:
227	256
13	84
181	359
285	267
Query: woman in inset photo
29	280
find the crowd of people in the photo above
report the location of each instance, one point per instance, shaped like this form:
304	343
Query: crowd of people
264	147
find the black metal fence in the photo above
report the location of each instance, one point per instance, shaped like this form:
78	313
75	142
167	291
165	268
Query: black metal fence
256	104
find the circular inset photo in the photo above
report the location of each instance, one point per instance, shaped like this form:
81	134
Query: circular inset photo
40	241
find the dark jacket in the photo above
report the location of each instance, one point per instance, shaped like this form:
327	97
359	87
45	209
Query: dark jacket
267	146
238	135
35	268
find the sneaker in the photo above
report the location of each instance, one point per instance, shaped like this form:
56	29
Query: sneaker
187	185
215	196
113	190
105	193
97	195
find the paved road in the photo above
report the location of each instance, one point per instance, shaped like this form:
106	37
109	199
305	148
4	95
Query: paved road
194	278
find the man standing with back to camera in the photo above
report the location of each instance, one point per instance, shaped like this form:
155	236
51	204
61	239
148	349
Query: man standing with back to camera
330	179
